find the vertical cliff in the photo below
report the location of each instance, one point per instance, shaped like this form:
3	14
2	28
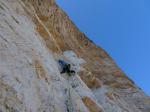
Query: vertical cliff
34	34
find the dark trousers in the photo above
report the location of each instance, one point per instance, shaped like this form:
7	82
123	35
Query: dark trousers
67	70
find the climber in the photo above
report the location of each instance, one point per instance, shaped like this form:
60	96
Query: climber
66	67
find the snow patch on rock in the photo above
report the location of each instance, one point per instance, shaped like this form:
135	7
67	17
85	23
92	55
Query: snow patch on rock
73	58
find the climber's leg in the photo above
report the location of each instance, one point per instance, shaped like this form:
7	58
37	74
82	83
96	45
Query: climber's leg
72	71
64	70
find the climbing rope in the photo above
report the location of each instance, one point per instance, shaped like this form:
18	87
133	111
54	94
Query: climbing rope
69	102
52	98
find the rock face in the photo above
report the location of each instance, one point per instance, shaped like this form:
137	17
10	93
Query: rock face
34	34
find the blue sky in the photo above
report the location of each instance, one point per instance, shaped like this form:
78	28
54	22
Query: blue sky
121	27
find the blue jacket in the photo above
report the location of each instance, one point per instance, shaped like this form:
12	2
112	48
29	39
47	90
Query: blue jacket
62	63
